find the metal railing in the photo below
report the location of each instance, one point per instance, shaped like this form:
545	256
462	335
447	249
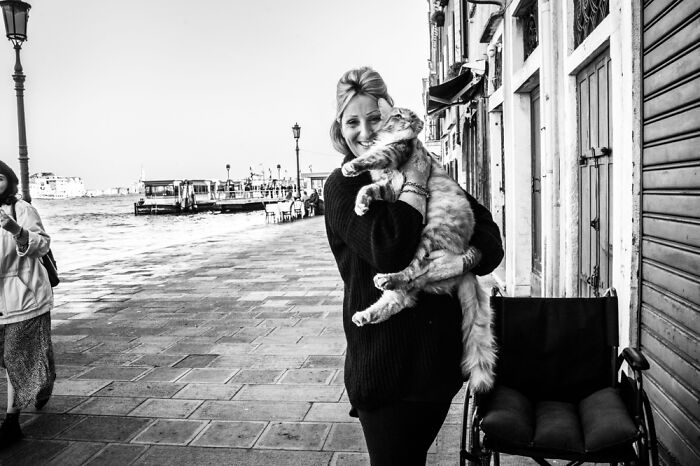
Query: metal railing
588	14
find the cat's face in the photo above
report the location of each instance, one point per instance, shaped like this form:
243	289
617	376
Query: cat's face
397	120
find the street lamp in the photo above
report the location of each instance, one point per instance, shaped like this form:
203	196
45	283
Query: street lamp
278	170
296	130
16	13
228	180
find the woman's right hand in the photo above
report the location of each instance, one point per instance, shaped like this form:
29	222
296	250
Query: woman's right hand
8	224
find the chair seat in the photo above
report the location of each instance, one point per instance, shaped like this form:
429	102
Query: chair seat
598	423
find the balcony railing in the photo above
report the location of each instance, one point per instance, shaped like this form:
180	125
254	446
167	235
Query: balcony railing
530	33
588	14
497	79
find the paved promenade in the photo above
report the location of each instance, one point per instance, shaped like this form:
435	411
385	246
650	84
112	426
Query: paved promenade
226	350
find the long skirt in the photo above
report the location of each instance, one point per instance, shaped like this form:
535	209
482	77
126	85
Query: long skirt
27	355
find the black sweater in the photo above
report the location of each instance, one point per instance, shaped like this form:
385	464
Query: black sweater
415	354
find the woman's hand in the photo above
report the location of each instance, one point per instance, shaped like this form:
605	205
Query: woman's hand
443	264
8	224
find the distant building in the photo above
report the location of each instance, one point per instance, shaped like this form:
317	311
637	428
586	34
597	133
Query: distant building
47	185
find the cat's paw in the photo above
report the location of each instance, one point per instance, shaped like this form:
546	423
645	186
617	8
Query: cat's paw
384	281
362	202
362	318
348	169
361	209
390	281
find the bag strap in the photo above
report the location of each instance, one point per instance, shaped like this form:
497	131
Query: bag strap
13	212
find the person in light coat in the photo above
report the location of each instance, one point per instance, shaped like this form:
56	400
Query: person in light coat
26	299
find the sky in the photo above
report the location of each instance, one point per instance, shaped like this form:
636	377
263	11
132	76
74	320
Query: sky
182	88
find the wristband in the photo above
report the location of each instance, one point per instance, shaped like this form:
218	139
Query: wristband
417	186
415	191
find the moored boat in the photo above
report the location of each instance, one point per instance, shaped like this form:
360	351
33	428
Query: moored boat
183	196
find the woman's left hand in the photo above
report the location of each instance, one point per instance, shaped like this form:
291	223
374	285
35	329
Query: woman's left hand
443	264
8	224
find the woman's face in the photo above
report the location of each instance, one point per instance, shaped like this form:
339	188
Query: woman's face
3	183
359	122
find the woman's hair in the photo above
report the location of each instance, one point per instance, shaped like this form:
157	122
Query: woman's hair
10	194
364	81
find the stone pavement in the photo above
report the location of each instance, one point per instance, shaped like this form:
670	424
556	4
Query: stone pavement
225	350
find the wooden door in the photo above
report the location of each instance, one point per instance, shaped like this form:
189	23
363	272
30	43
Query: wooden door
595	177
536	174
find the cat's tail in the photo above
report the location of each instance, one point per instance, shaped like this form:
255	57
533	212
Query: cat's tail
479	356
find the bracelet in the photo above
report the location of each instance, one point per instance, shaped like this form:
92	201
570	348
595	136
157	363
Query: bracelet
416	185
415	191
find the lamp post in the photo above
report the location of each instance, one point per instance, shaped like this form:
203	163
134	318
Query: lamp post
16	13
296	130
228	180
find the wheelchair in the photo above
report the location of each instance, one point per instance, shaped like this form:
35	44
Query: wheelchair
560	392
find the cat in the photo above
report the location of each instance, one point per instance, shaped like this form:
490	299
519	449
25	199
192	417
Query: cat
449	225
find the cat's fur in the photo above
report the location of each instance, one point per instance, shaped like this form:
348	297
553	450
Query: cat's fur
450	224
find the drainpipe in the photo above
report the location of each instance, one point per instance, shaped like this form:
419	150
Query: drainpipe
550	129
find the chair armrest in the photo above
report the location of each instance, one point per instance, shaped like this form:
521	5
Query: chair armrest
635	359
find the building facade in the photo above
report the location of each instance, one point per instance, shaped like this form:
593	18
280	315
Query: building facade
576	122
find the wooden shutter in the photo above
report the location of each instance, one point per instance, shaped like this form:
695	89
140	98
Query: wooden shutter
668	327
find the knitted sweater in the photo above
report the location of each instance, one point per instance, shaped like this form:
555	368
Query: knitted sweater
415	354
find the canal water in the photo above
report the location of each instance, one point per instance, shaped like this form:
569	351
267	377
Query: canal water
88	231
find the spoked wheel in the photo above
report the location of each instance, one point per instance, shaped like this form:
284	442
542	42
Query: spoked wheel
471	442
647	448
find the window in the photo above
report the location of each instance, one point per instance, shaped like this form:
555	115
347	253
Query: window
588	14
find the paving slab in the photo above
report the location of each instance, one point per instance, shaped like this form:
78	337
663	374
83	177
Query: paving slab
117	455
235	434
294	436
170	432
108	406
105	428
251	410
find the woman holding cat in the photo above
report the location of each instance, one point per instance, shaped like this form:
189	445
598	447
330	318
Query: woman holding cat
26	300
401	374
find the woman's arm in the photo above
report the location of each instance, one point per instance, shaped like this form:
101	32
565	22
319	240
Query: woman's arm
386	236
486	239
37	240
484	254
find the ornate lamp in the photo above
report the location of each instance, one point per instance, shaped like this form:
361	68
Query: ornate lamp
15	14
296	131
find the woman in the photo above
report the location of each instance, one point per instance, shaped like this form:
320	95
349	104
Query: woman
25	322
402	374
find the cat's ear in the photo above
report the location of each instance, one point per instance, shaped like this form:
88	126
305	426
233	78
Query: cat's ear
384	108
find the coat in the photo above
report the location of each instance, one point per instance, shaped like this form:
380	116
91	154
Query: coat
24	284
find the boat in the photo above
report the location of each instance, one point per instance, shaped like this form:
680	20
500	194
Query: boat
47	185
187	196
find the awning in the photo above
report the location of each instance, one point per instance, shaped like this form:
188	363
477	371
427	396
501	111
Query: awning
459	90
